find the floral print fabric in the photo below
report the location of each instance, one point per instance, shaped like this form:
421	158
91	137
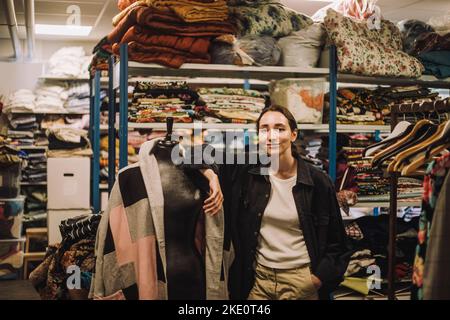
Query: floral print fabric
373	52
433	182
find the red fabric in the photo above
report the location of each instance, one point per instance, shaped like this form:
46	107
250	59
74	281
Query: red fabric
168	57
189	45
158	22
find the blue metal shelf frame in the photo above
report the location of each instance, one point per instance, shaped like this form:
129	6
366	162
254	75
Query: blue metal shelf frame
332	137
95	141
123	107
111	125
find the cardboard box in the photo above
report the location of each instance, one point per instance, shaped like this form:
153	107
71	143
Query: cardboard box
68	183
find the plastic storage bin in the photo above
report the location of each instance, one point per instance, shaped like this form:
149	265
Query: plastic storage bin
10	180
11	215
304	98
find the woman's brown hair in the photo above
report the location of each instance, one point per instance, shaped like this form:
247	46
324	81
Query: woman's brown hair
288	115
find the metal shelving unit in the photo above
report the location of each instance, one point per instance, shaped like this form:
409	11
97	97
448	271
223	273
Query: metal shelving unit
324	128
127	68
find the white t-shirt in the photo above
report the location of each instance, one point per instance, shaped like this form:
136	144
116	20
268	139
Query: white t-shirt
281	243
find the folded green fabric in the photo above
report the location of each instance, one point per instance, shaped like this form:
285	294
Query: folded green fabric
436	63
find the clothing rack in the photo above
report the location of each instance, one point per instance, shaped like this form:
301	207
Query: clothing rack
441	106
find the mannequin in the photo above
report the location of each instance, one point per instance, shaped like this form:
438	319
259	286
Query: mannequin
183	202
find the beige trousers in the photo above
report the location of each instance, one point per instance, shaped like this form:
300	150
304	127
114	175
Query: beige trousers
278	284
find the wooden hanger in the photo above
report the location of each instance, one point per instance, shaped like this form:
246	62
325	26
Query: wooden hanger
419	126
402	157
421	160
400	131
440	138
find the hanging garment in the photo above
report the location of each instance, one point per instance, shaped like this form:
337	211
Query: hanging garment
131	245
433	183
436	273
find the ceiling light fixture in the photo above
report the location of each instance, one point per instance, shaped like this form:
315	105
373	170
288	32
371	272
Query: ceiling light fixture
62	30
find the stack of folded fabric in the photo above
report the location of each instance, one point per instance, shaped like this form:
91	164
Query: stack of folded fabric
169	32
78	99
155	101
231	105
51	98
373	106
68	62
22	129
430	47
369	180
68	142
22	100
266	17
36	169
77	247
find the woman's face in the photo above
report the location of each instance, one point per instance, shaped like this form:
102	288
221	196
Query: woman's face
275	135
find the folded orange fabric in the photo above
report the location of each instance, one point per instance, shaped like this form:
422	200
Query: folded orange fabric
158	22
168	57
192	45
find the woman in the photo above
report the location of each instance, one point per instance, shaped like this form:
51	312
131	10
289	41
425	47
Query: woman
286	227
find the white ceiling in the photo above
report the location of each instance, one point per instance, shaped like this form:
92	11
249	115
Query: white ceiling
98	13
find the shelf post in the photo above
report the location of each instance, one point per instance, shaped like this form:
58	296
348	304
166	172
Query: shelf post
123	107
392	235
96	145
111	125
332	150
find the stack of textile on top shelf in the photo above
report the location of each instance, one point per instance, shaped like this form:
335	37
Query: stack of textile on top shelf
367	49
373	106
155	101
170	33
230	105
430	47
267	32
69	62
50	278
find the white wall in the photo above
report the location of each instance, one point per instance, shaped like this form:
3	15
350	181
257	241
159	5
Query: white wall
24	74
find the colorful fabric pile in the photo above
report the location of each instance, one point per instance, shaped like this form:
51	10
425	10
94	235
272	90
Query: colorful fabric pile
155	101
76	248
230	105
373	106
